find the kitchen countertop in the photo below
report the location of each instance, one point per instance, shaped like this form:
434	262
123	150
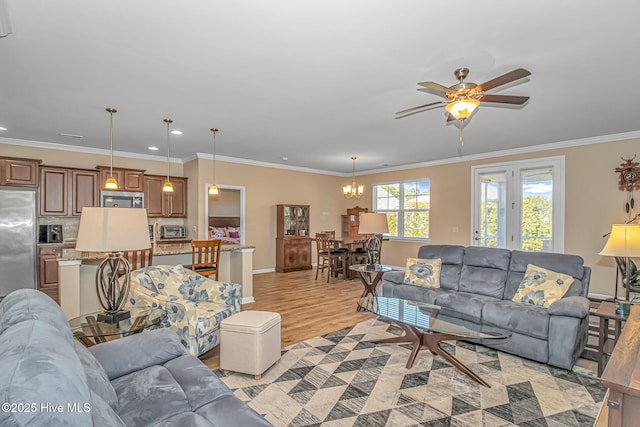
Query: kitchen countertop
161	248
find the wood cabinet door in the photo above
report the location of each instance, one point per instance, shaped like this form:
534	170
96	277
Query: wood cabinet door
153	197
19	172
48	271
296	254
133	180
176	203
84	190
53	192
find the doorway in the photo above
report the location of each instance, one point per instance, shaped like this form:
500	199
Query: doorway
226	212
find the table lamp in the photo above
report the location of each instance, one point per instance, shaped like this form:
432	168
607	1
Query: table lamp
624	241
113	230
373	224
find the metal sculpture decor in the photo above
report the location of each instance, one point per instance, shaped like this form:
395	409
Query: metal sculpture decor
629	180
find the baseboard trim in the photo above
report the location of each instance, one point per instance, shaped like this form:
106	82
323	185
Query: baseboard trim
264	270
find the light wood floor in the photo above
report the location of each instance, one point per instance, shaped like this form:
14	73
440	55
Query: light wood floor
310	307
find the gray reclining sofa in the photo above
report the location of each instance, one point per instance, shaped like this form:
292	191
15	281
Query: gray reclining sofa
482	282
49	379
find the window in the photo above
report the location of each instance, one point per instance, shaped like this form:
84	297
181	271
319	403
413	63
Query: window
519	205
407	207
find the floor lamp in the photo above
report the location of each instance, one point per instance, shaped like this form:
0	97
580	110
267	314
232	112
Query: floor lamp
373	224
624	242
113	230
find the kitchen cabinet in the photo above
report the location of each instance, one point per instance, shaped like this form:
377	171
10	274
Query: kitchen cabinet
165	205
48	270
293	243
64	192
19	172
128	179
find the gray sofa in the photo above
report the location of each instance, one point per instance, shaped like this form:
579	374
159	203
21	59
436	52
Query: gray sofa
482	281
49	379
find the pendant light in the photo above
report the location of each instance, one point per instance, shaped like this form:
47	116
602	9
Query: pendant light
353	190
110	183
167	187
213	189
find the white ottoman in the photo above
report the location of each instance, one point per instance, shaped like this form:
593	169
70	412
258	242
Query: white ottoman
250	342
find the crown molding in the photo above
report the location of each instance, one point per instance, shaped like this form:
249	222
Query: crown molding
465	158
89	150
238	160
511	152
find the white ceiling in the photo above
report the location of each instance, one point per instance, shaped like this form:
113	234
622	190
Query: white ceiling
315	81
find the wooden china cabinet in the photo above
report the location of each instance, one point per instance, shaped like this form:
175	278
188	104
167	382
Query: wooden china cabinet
293	243
351	223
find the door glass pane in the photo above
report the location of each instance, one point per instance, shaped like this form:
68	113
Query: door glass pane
537	209
493	194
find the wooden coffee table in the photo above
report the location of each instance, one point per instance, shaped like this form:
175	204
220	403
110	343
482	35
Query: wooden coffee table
427	325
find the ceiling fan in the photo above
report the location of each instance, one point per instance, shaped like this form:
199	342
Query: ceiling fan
464	97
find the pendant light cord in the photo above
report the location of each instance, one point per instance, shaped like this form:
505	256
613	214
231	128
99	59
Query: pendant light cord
214	130
111	143
168	122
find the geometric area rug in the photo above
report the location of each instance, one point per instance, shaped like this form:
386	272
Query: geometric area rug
342	379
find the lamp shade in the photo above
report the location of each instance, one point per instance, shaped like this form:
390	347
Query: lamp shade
462	109
373	223
624	241
113	230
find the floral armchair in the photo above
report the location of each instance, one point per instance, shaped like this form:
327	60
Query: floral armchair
195	305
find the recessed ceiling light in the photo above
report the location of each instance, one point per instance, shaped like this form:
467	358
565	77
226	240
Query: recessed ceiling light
153	148
176	132
285	158
3	128
71	135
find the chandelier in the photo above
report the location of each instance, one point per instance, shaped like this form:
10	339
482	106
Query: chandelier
353	190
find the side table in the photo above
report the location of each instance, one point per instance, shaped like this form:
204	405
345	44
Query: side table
89	331
607	312
368	278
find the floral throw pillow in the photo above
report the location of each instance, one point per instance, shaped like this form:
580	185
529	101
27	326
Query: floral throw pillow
542	287
423	272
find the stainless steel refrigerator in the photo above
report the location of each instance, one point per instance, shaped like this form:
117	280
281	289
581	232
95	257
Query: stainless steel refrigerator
17	239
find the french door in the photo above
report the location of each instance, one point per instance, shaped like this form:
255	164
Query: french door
519	205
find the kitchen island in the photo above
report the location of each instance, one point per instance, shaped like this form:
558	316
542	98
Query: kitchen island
77	272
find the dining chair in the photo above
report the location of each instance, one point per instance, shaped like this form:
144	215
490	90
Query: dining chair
205	257
329	258
139	259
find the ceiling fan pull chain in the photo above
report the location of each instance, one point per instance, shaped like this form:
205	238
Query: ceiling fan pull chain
461	140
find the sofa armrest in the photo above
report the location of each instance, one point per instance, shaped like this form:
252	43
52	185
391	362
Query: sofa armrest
574	306
135	352
395	276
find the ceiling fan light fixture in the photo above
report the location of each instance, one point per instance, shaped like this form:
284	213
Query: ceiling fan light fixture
462	109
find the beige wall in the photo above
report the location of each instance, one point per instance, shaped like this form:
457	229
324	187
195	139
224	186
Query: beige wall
593	201
226	204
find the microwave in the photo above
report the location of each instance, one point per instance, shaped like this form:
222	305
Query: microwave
121	199
172	232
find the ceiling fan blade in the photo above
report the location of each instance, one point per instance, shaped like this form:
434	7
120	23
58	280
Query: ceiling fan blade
505	99
503	79
419	107
450	118
436	87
